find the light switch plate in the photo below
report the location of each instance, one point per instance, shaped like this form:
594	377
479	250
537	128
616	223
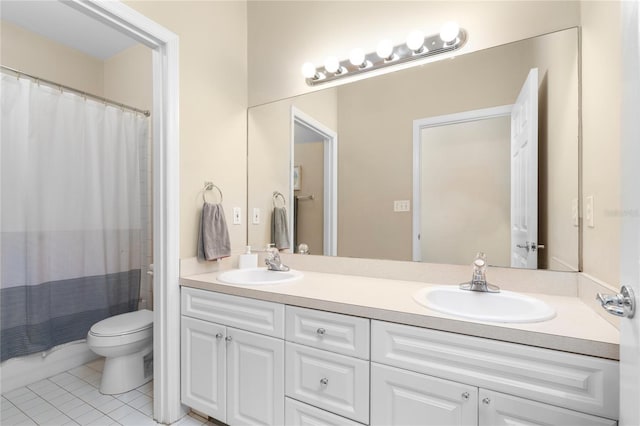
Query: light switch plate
574	212
589	212
237	215
401	205
256	216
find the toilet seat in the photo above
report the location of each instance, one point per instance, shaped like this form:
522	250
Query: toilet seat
120	325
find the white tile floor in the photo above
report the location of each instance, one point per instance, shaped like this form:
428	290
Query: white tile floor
72	398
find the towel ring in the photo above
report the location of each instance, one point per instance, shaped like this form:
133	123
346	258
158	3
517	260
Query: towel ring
276	195
209	186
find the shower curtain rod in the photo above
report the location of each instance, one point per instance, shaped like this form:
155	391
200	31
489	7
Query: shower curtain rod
71	89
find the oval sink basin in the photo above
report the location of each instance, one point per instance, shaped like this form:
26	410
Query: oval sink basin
258	276
505	306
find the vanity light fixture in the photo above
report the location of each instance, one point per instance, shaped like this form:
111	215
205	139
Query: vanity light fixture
417	46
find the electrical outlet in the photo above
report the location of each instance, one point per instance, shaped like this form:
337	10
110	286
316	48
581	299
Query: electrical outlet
256	216
401	206
574	212
237	218
589	211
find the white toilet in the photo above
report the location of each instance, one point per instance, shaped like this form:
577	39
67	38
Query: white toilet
126	341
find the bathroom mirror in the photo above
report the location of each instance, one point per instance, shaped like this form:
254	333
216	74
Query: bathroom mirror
352	150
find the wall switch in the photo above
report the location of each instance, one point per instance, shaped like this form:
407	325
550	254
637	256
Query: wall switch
589	212
237	215
401	205
255	218
574	212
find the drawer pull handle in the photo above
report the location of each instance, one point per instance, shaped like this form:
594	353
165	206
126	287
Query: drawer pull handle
219	336
324	381
321	331
228	338
486	401
465	396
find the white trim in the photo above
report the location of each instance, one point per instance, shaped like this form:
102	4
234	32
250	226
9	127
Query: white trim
441	120
330	237
166	214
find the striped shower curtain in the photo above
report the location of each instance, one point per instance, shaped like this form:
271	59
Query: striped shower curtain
70	214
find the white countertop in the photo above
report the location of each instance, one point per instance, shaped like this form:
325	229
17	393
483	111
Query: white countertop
575	328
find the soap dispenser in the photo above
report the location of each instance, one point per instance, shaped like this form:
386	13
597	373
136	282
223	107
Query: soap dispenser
248	259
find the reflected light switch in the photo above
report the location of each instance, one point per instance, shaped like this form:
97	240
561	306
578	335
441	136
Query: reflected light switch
255	218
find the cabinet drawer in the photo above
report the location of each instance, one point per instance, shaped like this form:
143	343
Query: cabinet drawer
330	381
573	381
400	397
240	312
300	414
339	333
497	409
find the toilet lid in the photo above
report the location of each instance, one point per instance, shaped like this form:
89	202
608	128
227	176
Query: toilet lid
130	322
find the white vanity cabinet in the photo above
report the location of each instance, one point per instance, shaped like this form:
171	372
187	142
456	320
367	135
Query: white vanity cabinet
428	377
401	397
232	369
327	366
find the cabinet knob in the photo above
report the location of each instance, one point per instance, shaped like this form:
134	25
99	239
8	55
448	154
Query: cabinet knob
228	338
324	381
219	336
321	331
465	395
486	401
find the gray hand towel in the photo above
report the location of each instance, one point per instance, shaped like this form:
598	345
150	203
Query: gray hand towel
280	228
213	238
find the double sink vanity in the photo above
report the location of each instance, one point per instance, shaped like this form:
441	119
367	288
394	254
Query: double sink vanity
312	348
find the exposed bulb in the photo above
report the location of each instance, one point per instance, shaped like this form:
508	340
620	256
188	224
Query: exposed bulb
331	64
385	50
309	70
449	31
357	58
415	41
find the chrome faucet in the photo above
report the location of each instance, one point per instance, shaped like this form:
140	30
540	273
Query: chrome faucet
273	261
479	278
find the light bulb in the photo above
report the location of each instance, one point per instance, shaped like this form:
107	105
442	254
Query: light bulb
385	49
415	41
356	57
449	31
309	70
331	64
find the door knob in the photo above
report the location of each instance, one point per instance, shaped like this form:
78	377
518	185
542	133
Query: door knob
530	246
622	304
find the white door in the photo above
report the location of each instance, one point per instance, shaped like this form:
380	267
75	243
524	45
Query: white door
498	409
255	379
400	397
630	235
524	175
203	367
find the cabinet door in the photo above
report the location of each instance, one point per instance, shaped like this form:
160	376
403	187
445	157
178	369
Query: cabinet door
498	409
255	379
203	367
400	397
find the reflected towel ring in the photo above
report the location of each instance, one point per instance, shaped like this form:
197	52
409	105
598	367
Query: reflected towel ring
209	186
277	194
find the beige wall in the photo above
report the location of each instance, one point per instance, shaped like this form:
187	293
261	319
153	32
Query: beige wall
284	34
37	55
375	132
213	102
601	98
466	199
269	159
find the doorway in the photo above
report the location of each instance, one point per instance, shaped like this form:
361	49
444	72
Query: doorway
314	156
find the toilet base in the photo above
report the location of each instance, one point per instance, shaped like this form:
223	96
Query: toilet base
124	373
